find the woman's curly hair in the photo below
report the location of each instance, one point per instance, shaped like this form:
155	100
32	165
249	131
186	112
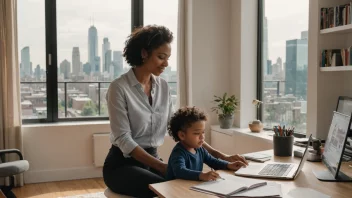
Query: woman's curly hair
183	119
149	37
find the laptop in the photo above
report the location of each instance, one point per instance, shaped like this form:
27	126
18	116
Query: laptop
275	170
334	148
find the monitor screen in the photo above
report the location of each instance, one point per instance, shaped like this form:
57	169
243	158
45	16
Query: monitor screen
344	105
335	142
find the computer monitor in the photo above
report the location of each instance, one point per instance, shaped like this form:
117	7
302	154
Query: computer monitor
334	148
344	106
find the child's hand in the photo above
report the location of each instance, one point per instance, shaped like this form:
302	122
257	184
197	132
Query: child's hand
235	165
209	176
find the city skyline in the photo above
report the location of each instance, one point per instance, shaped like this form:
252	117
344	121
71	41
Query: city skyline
112	21
280	26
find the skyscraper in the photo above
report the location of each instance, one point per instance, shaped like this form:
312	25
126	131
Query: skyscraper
117	63
76	62
65	68
96	65
108	57
265	47
92	44
87	68
269	67
26	61
37	72
105	48
296	66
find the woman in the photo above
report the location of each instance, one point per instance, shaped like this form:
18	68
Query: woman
139	107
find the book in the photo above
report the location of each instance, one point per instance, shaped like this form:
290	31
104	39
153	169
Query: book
234	186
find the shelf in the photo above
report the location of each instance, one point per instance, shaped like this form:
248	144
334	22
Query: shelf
340	29
339	68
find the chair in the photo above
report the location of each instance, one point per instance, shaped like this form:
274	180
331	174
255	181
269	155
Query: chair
10	169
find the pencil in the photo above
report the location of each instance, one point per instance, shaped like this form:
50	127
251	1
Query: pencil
219	175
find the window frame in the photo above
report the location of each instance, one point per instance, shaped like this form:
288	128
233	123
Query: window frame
52	65
260	75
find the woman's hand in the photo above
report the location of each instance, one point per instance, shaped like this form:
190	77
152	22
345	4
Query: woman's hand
235	165
163	169
235	158
209	176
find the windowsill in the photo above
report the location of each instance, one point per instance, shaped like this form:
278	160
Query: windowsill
75	123
266	135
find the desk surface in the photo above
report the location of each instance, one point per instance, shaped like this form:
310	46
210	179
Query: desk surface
306	179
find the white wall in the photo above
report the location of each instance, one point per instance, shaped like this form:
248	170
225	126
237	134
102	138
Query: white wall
60	152
221	61
210	53
243	53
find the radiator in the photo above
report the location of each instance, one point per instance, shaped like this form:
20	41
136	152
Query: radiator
101	146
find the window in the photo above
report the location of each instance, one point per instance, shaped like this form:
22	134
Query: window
68	60
153	9
283	62
31	40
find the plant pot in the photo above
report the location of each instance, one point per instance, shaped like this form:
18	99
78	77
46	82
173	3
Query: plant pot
226	121
255	128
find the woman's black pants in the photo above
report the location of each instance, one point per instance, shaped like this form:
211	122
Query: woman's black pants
128	176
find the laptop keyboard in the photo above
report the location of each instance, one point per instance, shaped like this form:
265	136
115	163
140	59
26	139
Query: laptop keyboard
276	170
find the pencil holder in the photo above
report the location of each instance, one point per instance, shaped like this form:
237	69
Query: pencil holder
283	145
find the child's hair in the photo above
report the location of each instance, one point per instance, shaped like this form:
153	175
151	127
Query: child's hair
183	118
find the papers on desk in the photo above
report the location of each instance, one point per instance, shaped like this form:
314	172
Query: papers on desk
301	140
257	157
306	192
239	187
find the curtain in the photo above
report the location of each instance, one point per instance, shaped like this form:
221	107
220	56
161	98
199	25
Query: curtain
183	54
10	99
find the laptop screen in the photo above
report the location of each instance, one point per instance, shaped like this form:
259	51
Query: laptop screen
344	105
335	142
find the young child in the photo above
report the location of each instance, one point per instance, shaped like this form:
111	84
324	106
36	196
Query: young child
187	127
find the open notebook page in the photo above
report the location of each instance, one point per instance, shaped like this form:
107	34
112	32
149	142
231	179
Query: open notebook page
272	189
227	186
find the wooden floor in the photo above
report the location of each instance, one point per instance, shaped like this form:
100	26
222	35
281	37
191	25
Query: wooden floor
61	188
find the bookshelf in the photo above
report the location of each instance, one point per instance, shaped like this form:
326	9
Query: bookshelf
345	29
336	68
325	84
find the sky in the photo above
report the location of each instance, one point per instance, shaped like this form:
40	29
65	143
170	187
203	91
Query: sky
112	18
286	20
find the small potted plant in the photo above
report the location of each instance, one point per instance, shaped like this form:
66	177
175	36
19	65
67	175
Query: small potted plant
256	125
225	108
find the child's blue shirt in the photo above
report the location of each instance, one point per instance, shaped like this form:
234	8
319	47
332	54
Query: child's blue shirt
186	165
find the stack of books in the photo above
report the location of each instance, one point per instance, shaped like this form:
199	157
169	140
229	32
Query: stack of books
335	16
336	57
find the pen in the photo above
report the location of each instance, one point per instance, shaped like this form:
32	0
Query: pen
219	175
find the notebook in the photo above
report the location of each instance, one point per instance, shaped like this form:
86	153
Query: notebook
230	187
272	189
